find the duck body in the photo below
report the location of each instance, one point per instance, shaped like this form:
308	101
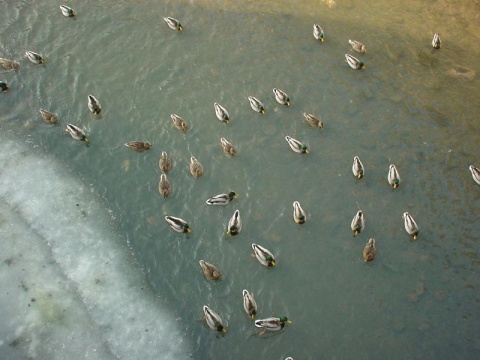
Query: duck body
256	105
94	105
76	133
222	199
234	224
173	24
318	33
393	176
249	304
34	57
357	46
9	64
272	324
67	11
369	251
164	186
210	271
281	97
196	169
213	320
264	256
296	145
313	121
358	223
475	173
436	41
298	213
165	164
177	224
221	113
179	123
411	226
357	168
48	117
3	86
138	146
354	63
227	147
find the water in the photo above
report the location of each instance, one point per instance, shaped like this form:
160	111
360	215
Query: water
411	107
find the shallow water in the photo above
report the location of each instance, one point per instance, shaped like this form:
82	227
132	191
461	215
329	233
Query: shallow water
412	106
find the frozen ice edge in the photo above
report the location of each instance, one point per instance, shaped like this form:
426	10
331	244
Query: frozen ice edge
86	298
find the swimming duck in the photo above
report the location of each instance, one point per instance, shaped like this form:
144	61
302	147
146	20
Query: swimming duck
213	320
67	11
358	223
357	168
196	169
410	225
3	86
179	123
227	147
265	257
234	224
76	133
249	304
9	64
173	24
164	186
222	113
273	324
298	213
354	62
475	173
313	121
393	176
35	57
48	117
221	199
94	105
296	145
165	164
318	33
357	46
369	251
256	105
177	224
138	146
281	97
436	42
210	271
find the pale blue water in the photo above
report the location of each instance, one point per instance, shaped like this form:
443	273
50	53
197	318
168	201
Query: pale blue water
410	107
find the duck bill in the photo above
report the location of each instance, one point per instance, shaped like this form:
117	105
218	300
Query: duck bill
356	232
359	176
224	330
262	111
395	186
252	316
189	230
415	237
289	321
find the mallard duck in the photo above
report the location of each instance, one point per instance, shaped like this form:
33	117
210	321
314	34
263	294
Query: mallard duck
210	271
196	169
94	105
273	324
249	304
35	57
281	97
227	147
393	176
358	223
76	133
67	11
357	46
410	225
213	320
234	224
256	105
436	41
475	173
318	33
298	213
222	113
313	121
369	251
164	186
357	168
3	86
296	145
165	164
48	117
9	64
221	199
138	146
173	24
179	123
265	257
354	62
177	224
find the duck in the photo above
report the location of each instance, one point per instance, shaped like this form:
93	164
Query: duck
35	57
410	225
196	169
393	176
272	324
264	256
76	133
48	117
9	64
213	320
210	271
222	199
369	251
3	86
358	223
227	147
179	123
281	97
222	113
165	164
94	105
138	146
256	105
173	24
177	224
357	46
67	11
318	33
164	186
249	304
298	213
357	168
475	173
436	41
296	145
234	224
313	121
354	62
